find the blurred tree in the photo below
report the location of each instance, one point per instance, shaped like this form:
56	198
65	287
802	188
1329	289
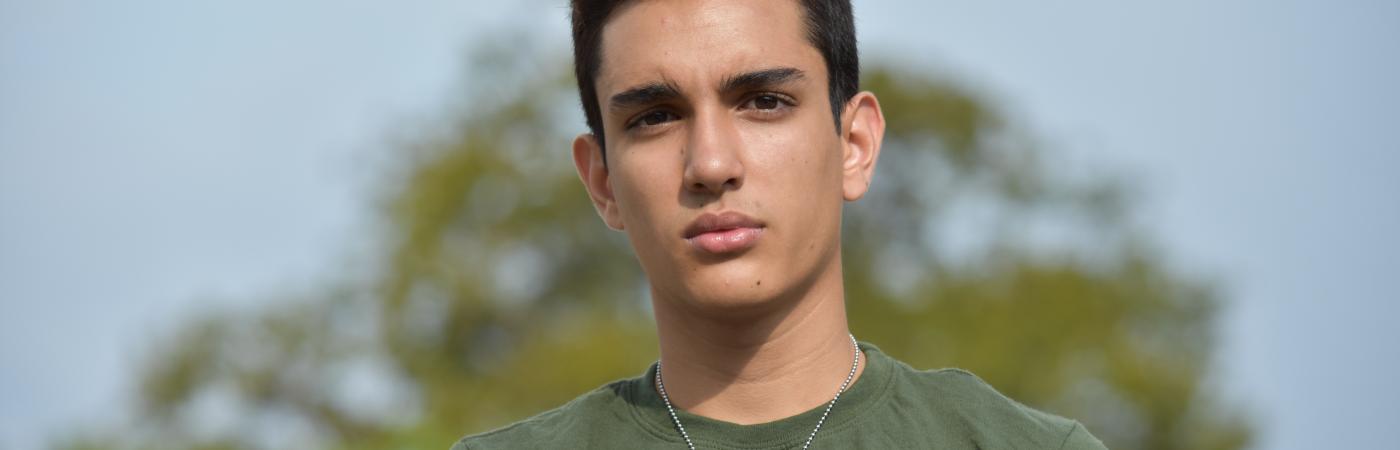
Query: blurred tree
502	294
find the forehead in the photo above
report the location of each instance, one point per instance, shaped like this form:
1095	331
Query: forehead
698	41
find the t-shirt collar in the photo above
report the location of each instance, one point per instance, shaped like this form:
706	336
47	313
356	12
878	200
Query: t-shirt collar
649	411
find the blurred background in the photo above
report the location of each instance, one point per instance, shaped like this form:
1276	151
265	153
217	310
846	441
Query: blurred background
317	224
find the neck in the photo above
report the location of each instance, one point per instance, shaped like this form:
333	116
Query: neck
761	367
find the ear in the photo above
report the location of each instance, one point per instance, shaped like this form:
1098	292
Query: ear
588	159
863	132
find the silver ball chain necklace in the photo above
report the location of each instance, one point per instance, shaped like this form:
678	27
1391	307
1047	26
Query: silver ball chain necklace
844	384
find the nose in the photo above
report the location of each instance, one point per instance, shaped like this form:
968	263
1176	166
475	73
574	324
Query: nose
713	160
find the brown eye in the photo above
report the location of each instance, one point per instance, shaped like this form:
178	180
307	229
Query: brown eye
655	118
766	102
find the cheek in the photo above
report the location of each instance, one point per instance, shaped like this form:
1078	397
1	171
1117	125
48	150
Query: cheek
798	163
642	188
799	168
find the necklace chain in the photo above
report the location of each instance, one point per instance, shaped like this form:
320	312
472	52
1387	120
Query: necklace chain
855	362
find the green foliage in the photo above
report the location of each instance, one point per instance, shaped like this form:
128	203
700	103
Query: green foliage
502	294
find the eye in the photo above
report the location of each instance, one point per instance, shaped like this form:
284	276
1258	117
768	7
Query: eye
766	102
653	118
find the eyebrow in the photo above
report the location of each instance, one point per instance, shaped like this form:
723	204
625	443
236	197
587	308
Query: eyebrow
658	92
645	94
760	79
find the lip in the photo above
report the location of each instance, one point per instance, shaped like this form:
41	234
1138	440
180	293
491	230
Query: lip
728	232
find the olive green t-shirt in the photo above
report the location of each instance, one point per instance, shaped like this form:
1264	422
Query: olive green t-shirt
891	405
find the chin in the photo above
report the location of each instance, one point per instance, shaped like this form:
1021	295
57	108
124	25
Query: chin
756	282
732	287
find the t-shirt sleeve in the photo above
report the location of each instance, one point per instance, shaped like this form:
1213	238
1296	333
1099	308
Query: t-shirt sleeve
1080	439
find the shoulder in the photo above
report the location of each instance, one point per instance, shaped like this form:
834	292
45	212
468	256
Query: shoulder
961	392
601	409
965	402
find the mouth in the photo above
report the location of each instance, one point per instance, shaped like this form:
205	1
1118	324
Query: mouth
724	233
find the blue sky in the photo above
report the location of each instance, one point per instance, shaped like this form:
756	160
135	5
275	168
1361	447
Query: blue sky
158	158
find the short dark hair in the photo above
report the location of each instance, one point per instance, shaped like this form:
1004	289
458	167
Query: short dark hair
830	28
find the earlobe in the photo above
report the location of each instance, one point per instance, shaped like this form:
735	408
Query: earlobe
865	130
593	172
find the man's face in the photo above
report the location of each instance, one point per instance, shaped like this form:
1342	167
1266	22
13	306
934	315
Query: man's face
724	165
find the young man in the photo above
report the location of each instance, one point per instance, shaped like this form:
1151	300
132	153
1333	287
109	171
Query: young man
726	136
